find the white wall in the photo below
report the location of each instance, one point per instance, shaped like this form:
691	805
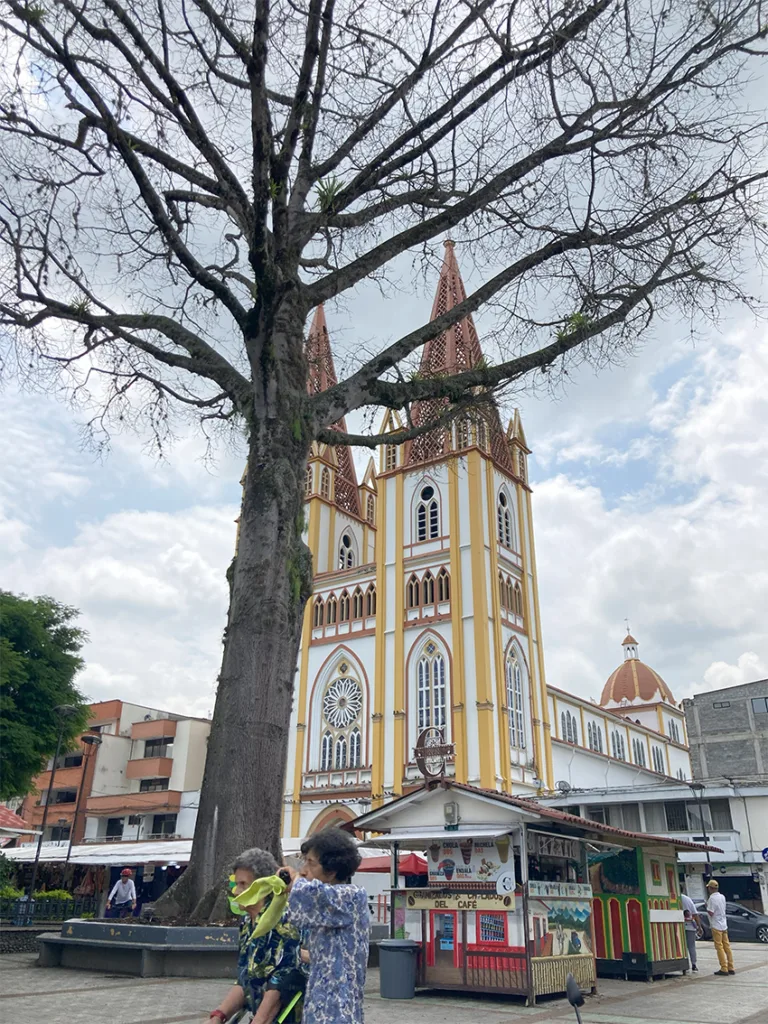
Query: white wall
111	762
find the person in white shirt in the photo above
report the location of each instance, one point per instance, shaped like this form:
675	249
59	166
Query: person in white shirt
123	894
693	928
719	924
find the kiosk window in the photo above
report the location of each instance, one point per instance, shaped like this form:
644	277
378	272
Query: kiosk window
490	928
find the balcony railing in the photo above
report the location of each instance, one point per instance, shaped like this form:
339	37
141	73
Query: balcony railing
149	768
727	840
148	837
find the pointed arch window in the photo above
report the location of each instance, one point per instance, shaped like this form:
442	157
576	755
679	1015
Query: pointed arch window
357	604
481	432
568	729
308	481
355	749
515	706
346	551
427	514
325	483
521	465
370	600
594	737
443	586
370	509
326	753
390	457
331	608
504	521
618	746
462	434
674	732
342	708
657	756
638	752
431	688
344	607
428	589
413	592
317	613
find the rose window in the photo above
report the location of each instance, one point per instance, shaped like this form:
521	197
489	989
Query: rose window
342	703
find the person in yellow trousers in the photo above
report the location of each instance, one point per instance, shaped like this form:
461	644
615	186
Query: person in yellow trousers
718	922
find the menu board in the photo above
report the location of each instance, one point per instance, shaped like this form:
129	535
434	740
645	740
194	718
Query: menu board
455	861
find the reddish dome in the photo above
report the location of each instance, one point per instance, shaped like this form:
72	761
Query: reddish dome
634	681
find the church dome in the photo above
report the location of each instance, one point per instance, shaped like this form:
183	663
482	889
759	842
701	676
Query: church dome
633	682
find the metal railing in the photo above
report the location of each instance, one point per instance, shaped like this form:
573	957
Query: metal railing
23	911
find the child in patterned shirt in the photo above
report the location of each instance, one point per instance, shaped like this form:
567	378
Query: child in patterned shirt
332	916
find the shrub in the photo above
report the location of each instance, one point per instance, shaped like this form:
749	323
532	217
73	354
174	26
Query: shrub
53	894
10	892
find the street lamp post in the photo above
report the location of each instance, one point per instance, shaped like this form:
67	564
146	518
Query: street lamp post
91	742
63	711
697	788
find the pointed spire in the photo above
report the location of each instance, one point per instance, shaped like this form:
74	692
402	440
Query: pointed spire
455	350
322	375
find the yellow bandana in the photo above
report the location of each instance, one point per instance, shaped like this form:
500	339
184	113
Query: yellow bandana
259	890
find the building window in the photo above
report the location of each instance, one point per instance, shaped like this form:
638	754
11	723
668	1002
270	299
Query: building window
60	833
521	465
114	829
597	813
326	753
569	731
346	552
390	457
370	600
428	589
462	434
344	607
724	704
638	752
443	586
134	819
490	928
317	613
515	706
481	433
677	820
759	705
657	755
65	796
517	601
163	824
341	744
504	520
427	515
357	604
681	774
413	592
595	738
325	483
674	731
431	689
721	814
618	746
370	509
331	608
158	748
70	761
308	482
153	784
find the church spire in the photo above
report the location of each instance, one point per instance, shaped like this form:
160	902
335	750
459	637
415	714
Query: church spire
322	375
455	350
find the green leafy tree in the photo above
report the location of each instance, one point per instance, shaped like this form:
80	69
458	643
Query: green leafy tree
39	658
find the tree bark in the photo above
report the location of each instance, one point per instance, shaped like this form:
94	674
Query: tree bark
270	581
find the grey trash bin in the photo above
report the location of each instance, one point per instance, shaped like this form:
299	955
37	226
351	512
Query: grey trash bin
397	966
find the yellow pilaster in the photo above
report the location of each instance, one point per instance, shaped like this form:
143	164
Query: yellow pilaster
459	688
498	643
583	727
542	746
484	689
379	681
312	510
550	776
332	552
399	653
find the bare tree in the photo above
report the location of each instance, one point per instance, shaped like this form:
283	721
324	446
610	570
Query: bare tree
183	181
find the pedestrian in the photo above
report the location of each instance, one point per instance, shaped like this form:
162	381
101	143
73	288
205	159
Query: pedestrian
332	915
719	924
269	973
693	929
123	894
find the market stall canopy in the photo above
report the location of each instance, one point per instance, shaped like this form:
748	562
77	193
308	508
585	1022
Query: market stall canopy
423	815
408	864
11	826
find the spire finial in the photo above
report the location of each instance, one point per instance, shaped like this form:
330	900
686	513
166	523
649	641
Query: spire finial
449	243
627	625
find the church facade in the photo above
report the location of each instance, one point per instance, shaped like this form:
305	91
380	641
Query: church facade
426	614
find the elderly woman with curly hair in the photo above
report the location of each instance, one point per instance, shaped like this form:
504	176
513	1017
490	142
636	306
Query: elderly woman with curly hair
269	966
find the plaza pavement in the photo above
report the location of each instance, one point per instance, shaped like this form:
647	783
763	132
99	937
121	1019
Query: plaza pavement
31	995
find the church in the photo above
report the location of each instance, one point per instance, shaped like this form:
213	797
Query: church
426	615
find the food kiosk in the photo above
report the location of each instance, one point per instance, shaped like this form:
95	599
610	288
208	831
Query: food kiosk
509	903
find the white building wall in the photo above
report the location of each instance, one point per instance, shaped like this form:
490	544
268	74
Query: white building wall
111	763
187	816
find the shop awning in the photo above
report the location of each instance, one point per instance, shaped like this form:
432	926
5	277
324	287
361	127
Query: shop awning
408	864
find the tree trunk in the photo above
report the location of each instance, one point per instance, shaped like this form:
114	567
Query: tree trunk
241	801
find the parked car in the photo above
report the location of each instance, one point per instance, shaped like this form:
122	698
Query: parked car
743	925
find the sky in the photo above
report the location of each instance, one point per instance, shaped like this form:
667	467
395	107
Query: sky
650	485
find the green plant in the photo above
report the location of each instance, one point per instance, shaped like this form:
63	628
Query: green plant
53	894
87	915
10	892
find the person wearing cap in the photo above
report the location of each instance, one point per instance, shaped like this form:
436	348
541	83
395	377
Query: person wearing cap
719	924
123	894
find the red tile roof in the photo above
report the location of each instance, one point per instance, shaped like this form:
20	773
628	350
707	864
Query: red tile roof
10	820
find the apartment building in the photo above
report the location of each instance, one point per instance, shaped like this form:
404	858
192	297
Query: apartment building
728	731
140	781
